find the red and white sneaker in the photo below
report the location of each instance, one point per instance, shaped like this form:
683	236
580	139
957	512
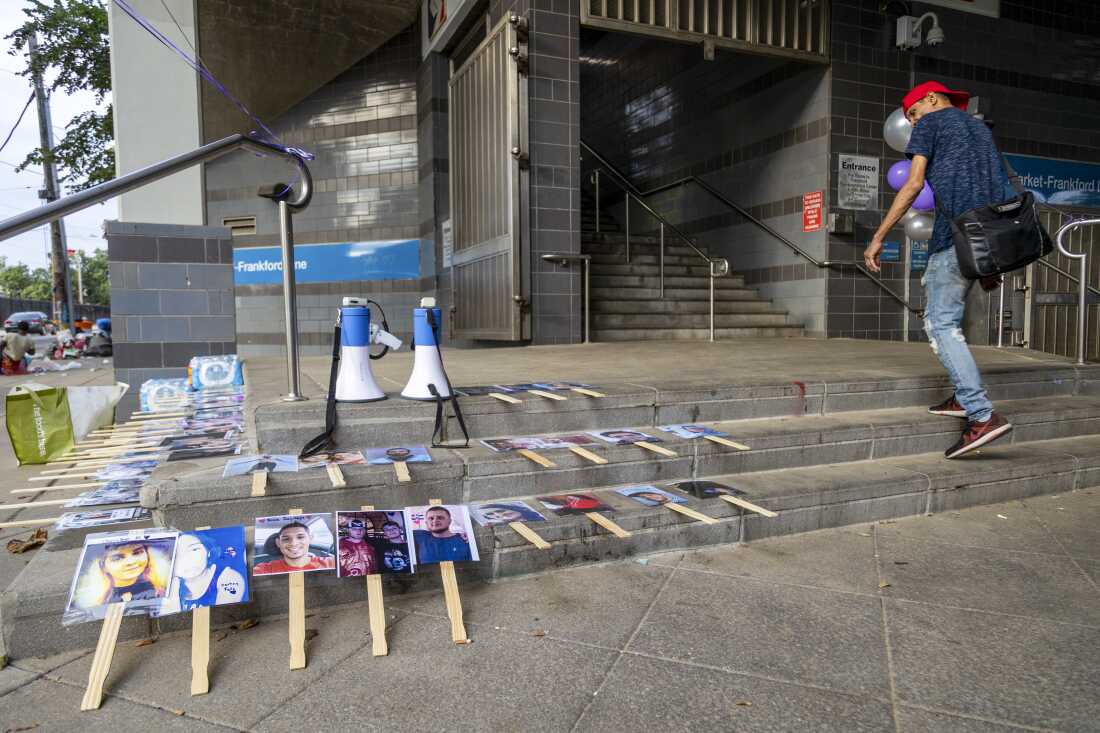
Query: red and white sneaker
948	408
978	434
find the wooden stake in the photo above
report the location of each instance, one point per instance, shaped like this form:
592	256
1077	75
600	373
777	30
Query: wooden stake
259	484
402	470
505	398
656	449
450	593
607	524
547	395
104	653
588	455
24	505
297	613
724	441
156	416
537	458
587	392
28	522
74	463
336	476
689	512
530	535
376	608
748	505
63	486
85	474
200	647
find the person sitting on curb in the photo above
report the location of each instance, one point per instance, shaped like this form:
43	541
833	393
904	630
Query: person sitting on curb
17	346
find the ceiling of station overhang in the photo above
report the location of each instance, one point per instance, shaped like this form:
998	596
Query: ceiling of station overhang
273	53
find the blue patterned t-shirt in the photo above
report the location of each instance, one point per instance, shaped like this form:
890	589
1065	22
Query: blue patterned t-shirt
964	167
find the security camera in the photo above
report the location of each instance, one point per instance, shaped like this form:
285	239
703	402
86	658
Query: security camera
934	37
909	33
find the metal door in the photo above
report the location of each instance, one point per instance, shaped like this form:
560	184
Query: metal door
489	181
1051	319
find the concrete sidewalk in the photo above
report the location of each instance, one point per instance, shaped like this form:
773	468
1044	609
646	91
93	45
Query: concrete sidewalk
985	620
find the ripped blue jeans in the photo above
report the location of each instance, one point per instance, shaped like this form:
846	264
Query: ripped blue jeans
945	292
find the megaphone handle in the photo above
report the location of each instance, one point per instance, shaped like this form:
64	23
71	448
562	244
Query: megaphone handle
385	327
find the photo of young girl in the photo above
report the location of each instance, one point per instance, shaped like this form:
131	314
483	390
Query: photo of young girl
210	570
134	567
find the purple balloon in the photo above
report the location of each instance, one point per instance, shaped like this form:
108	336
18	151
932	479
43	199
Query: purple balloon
898	174
926	200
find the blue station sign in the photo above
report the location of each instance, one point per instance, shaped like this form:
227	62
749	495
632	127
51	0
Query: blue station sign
385	260
1059	182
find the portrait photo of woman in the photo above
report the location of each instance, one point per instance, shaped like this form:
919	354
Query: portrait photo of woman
210	570
134	567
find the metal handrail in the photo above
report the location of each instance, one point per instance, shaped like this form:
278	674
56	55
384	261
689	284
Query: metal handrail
794	247
98	194
716	266
1082	285
563	259
1065	274
143	176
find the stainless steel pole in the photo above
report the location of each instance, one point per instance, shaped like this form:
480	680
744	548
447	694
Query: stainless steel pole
1001	317
596	180
662	260
711	263
628	198
1082	311
587	302
286	237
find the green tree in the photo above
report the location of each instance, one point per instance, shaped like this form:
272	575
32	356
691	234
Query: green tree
97	289
74	44
19	281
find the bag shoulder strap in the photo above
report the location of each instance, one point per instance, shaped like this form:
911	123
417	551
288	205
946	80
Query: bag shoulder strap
1013	176
324	441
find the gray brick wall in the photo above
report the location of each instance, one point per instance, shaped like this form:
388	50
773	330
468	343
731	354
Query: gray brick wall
172	298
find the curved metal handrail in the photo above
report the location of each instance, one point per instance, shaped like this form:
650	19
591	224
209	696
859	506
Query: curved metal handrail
100	193
1082	285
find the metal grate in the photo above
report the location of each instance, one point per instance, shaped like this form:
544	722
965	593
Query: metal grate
240	226
789	28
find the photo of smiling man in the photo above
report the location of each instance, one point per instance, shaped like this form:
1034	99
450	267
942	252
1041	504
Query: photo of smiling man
294	544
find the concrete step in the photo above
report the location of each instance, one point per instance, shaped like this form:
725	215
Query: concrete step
285	427
682	306
806	499
700	333
619	258
673	294
672	282
665	321
695	269
616	244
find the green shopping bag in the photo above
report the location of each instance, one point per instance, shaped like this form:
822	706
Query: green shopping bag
39	424
44	422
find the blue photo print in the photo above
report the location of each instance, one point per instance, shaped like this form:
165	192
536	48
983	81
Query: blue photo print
210	569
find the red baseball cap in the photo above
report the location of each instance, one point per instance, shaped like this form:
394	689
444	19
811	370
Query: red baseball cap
920	91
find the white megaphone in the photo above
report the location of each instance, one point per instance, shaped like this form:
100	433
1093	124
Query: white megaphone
355	382
427	362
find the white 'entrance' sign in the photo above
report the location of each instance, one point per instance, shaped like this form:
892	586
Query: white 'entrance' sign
857	183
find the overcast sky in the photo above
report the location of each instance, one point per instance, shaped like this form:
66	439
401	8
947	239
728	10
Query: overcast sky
19	191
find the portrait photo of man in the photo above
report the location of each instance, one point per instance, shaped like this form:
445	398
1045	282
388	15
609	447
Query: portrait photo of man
441	533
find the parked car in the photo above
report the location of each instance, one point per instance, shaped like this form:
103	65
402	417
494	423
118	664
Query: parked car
39	322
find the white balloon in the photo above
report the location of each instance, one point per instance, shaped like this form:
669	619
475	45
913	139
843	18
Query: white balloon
896	130
919	226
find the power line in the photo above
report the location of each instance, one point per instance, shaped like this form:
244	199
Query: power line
16	125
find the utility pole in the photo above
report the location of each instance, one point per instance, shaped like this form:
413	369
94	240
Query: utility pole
62	290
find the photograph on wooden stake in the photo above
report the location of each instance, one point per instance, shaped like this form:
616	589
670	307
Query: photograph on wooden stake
103	518
703	489
405	453
484	390
333	458
440	533
567	441
273	463
691	431
624	436
293	543
566	504
503	512
115	492
211	569
372	542
506	445
559	386
126	471
650	495
112	564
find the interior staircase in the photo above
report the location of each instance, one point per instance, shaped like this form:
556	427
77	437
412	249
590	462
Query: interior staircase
626	299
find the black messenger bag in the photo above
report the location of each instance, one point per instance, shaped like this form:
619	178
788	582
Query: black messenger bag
998	238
